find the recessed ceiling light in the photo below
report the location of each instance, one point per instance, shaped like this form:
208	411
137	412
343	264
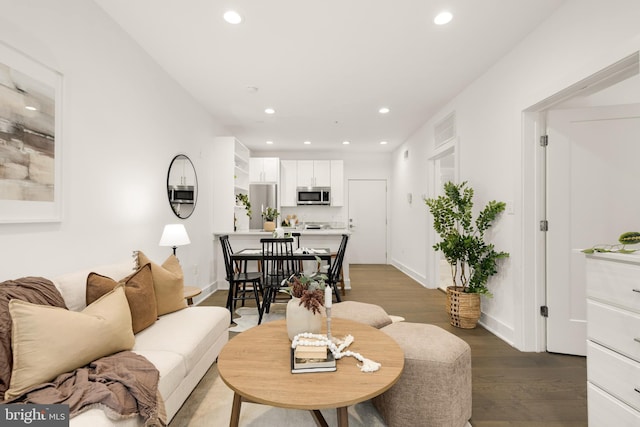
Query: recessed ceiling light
307	143
383	142
270	142
269	111
346	142
383	110
443	18
30	108
232	17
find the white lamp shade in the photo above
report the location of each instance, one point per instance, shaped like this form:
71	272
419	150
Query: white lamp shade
174	235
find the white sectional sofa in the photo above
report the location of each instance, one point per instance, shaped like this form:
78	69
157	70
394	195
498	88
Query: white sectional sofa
182	345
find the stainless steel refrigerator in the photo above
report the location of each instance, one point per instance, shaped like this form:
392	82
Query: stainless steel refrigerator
261	196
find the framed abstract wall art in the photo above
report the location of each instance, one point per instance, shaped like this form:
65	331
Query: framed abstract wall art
30	139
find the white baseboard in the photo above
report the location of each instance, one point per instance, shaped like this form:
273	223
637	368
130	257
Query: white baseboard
497	328
410	272
206	292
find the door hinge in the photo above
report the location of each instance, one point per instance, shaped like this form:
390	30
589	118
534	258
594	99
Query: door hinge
544	311
544	140
544	225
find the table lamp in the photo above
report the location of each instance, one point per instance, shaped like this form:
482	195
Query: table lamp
174	235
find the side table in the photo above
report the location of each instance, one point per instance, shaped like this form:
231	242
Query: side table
190	292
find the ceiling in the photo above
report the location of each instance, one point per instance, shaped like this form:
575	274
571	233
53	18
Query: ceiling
326	67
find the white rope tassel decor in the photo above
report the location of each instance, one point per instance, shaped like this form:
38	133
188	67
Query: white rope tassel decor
367	365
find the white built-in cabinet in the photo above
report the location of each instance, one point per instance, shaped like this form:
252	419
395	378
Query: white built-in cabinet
230	161
311	173
613	340
264	170
314	173
242	168
288	182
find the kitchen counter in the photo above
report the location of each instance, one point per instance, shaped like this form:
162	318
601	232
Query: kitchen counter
303	232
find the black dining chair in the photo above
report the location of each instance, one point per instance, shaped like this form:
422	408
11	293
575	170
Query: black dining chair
238	278
278	265
334	275
296	235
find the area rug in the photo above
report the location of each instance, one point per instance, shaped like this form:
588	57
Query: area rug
210	406
248	317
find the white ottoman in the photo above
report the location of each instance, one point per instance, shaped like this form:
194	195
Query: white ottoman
371	314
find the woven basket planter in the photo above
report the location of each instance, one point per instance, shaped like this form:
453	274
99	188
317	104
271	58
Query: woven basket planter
463	308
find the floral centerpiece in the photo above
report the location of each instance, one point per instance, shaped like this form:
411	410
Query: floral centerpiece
309	289
304	312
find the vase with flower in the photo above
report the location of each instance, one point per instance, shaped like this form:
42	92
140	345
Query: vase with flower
304	310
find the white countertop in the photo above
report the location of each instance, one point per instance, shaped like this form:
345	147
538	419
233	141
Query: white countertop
633	258
262	233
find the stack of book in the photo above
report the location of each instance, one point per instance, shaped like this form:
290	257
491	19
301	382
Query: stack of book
312	359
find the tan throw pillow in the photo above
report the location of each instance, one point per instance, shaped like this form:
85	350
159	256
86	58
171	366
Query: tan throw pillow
168	282
138	287
49	341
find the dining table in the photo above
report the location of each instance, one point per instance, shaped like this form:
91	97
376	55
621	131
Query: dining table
299	254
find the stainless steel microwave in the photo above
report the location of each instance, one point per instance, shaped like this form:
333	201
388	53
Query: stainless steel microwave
182	193
313	196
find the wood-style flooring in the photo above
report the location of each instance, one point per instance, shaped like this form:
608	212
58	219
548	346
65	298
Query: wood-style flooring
510	388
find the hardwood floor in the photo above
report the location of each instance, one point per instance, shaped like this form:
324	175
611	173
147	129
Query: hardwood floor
510	388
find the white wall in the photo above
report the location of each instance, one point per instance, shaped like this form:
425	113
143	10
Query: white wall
124	120
569	46
408	220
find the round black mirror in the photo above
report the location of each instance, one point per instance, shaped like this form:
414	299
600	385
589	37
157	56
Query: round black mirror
182	186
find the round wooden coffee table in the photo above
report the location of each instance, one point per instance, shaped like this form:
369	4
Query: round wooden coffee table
256	365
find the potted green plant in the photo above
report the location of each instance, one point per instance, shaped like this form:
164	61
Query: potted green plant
269	217
627	238
472	260
243	199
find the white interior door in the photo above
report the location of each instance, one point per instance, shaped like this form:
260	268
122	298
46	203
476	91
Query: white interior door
592	180
368	221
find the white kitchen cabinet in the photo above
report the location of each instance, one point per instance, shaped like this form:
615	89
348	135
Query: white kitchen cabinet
288	182
264	170
314	173
613	334
322	173
305	173
337	183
